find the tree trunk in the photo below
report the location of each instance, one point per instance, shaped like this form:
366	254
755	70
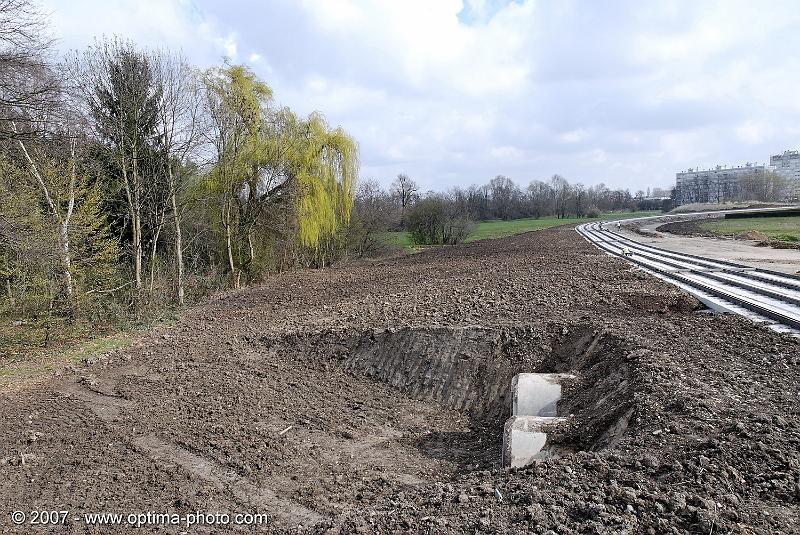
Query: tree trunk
62	222
66	263
137	228
229	247
176	218
226	213
153	251
137	252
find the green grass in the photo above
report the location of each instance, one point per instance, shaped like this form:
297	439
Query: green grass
487	230
786	228
25	359
28	366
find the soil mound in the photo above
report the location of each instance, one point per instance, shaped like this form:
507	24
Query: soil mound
754	235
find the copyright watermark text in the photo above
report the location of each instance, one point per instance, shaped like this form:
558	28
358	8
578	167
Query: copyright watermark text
139	519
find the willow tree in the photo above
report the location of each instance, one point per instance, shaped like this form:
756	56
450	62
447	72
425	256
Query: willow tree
236	102
327	166
268	160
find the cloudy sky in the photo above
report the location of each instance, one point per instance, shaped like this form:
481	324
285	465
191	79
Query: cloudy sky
456	92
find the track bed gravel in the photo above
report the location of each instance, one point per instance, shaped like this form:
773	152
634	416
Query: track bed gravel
344	401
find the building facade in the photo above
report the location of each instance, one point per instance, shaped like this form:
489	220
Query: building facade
712	185
787	165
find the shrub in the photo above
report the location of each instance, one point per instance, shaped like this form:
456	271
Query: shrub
433	221
593	212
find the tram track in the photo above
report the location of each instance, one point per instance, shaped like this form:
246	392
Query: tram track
762	295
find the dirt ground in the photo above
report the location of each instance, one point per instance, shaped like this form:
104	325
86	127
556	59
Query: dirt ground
370	398
688	237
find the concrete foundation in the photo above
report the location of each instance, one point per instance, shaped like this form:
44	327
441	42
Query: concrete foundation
524	439
534	400
536	394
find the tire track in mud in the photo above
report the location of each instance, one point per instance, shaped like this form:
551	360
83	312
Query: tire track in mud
98	396
245	491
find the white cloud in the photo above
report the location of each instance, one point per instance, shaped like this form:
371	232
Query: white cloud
752	132
174	24
573	136
452	92
228	44
506	152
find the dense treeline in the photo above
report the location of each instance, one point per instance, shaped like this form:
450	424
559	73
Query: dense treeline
436	218
130	179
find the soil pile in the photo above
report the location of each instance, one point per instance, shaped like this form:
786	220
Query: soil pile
754	235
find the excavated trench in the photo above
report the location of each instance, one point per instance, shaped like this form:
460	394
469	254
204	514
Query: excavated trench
470	370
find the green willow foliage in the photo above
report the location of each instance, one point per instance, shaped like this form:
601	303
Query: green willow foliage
327	173
265	155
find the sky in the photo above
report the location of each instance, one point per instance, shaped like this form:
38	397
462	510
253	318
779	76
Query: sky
455	92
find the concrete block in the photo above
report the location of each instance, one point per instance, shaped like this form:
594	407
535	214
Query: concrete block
536	394
525	438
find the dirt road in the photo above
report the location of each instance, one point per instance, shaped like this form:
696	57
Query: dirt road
370	398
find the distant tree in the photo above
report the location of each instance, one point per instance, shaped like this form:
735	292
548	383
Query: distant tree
561	194
372	215
579	197
540	195
504	194
478	202
435	221
763	186
405	191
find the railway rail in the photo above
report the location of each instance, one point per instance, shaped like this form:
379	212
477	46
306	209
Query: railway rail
759	294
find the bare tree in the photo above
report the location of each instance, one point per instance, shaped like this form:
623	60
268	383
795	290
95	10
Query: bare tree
579	196
179	128
504	194
372	215
539	197
763	186
561	193
405	190
27	83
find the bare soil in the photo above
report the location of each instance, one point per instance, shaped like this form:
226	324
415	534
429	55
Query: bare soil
370	399
694	228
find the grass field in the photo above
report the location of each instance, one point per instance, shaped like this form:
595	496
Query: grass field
777	228
487	230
